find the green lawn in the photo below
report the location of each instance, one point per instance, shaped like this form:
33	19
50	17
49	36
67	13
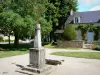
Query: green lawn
7	50
50	46
89	55
11	53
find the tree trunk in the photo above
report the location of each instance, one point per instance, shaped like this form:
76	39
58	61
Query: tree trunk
51	37
52	34
16	42
9	38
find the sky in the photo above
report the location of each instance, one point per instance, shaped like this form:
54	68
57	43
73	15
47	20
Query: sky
88	5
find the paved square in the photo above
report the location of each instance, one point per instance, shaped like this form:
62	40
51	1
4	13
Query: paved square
71	66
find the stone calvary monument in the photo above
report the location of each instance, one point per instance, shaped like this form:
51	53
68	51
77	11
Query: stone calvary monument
37	54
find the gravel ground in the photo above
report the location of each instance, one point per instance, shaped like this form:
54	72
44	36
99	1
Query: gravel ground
70	66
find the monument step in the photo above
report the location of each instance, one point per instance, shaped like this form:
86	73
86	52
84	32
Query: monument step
33	71
26	72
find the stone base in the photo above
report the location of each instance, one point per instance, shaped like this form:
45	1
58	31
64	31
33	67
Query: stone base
33	71
37	57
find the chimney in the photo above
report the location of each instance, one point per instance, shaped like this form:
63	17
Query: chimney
71	12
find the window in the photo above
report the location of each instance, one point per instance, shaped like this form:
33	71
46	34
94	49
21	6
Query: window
77	20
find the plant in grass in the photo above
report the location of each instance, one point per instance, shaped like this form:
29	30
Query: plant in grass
70	33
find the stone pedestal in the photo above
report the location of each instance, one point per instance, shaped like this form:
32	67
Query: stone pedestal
37	62
37	58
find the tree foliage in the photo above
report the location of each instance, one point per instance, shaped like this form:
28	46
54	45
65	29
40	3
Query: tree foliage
58	11
65	7
96	30
84	29
10	21
21	16
89	27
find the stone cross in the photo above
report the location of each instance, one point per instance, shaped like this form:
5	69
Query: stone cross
37	41
37	54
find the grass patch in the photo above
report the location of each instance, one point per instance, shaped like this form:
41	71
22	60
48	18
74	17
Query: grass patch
55	46
8	53
50	46
71	48
7	50
89	55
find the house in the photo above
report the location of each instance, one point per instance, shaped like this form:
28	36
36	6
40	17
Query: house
84	17
77	18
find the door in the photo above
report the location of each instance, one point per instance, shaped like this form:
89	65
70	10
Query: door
90	36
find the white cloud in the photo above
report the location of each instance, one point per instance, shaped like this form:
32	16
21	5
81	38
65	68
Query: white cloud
88	2
95	8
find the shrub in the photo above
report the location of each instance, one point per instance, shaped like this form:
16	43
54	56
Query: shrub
70	33
97	47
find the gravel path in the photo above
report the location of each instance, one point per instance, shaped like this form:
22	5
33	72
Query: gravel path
71	66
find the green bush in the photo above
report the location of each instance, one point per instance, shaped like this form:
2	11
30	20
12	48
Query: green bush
97	47
70	33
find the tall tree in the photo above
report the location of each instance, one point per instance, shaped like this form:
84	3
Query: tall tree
24	15
35	9
58	11
52	14
65	8
10	21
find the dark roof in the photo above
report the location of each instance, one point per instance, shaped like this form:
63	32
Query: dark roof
86	17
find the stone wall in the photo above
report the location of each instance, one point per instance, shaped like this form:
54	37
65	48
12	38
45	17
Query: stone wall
95	42
73	44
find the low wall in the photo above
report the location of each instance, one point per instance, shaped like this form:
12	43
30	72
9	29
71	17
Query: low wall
73	44
95	42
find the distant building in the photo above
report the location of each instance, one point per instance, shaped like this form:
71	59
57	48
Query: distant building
88	17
